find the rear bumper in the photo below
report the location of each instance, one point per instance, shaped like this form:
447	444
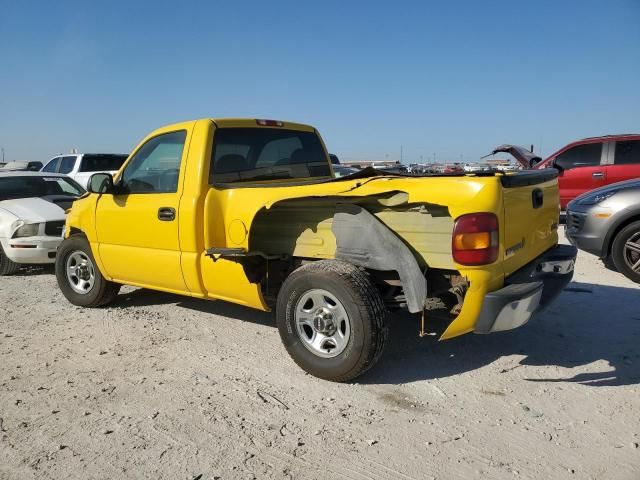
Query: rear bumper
527	291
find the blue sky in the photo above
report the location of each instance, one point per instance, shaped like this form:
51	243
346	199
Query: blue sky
447	78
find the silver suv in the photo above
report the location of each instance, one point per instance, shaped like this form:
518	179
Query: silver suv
606	223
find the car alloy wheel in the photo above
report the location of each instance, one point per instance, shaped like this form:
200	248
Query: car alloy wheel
632	252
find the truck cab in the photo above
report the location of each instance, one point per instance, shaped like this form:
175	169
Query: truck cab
249	211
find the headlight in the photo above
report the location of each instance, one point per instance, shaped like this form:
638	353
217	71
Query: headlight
596	197
29	230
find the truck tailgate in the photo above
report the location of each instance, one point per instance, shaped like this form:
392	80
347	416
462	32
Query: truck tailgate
531	214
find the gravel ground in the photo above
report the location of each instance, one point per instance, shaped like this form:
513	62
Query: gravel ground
160	386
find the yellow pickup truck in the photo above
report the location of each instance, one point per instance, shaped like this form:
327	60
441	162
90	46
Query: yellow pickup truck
249	211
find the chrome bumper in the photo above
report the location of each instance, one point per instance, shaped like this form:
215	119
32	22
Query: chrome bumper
528	290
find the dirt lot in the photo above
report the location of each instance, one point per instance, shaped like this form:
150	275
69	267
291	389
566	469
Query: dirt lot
159	386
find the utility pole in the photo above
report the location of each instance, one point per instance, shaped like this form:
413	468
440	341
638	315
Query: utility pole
400	153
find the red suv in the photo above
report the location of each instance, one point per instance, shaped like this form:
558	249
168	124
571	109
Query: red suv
587	164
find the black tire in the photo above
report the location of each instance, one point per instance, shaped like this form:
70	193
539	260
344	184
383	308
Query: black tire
622	256
365	313
7	267
101	293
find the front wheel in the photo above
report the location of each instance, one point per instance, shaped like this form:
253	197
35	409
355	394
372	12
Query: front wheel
331	319
78	277
625	251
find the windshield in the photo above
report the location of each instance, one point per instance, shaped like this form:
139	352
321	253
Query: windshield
101	162
252	154
28	186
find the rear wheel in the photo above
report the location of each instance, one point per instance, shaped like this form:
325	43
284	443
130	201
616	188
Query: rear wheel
78	276
331	319
625	251
7	267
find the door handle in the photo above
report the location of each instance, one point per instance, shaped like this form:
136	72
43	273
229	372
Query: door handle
597	175
166	214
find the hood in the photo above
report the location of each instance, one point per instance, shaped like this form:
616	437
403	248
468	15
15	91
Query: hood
33	210
633	183
524	157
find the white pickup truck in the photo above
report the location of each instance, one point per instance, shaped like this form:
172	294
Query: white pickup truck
80	166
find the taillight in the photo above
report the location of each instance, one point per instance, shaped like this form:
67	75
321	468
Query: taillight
475	239
270	123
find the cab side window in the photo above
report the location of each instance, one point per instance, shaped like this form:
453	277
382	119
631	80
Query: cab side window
52	166
67	164
587	155
155	167
627	152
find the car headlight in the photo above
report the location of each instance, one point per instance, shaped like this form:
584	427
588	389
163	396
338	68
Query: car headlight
28	230
596	197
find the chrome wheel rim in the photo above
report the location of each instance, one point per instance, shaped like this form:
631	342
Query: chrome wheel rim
81	274
632	252
322	323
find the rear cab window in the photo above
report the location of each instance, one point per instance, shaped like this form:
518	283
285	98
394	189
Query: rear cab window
92	162
586	155
627	152
242	155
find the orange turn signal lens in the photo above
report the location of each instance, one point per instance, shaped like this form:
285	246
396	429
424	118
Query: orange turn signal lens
472	241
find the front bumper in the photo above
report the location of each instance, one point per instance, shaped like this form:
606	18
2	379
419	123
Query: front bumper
586	227
527	291
35	250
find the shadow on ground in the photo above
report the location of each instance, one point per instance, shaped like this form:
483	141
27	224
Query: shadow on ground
143	297
585	324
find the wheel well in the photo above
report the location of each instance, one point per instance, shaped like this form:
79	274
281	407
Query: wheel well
76	231
611	237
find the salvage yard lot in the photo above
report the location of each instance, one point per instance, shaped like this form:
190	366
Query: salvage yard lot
160	386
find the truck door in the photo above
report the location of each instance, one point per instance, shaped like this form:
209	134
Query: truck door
137	227
626	162
582	168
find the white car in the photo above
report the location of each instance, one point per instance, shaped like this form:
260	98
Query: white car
32	216
80	166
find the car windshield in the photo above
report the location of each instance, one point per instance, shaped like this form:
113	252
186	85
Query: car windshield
36	186
253	154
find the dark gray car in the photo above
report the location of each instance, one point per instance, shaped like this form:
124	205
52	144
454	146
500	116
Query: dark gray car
606	223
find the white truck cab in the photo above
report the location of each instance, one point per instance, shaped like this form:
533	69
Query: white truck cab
80	166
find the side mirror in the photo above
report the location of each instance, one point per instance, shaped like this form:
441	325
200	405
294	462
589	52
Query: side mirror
554	164
100	183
